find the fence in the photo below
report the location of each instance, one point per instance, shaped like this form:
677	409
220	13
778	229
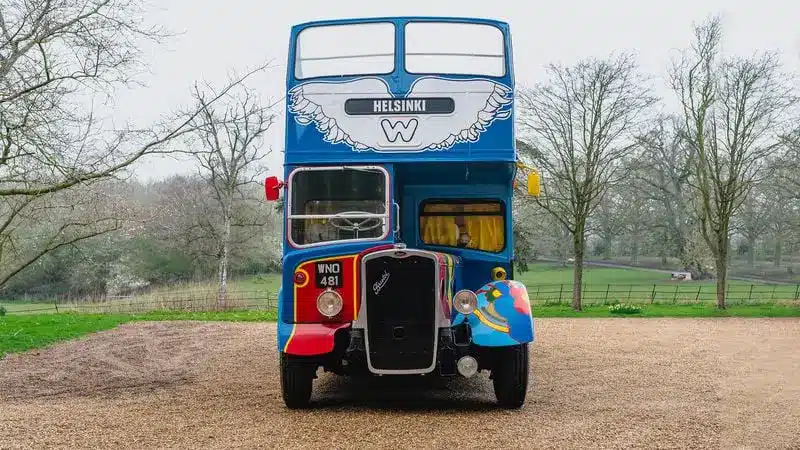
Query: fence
187	301
540	294
676	293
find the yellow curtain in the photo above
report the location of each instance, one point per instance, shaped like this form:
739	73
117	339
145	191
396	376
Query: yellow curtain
439	230
486	232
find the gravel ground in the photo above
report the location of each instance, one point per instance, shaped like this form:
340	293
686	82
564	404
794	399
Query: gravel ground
717	383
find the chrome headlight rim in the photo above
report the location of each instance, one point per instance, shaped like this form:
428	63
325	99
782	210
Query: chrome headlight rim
472	303
338	302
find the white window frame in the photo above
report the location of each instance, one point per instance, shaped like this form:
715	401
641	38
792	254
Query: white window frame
504	55
291	216
298	61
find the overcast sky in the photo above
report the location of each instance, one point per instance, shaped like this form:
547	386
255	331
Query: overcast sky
218	37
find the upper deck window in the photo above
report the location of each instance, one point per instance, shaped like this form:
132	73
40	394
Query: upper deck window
351	49
455	48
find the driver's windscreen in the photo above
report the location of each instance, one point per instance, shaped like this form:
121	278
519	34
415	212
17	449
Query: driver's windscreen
339	192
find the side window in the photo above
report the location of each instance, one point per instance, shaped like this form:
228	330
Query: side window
475	224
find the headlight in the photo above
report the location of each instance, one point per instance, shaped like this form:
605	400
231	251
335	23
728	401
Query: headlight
329	303
465	301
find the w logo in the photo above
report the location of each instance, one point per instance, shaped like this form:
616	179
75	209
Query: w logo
394	128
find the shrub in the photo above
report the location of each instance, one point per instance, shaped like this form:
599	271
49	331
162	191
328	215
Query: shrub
624	308
2	311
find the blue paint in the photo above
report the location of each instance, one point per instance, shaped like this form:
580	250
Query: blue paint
483	168
504	311
305	143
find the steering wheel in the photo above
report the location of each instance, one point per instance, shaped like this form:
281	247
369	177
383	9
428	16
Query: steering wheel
351	225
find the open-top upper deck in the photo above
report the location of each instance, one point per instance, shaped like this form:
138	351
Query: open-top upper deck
392	89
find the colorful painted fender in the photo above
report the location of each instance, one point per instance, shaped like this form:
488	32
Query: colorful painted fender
503	316
305	339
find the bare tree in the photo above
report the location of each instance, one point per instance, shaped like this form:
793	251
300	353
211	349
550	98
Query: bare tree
636	216
752	220
54	56
577	126
730	108
788	168
665	171
229	155
607	222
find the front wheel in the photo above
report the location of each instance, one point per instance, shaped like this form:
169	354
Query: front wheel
510	375
297	377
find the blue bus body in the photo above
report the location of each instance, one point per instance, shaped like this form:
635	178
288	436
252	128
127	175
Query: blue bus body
398	183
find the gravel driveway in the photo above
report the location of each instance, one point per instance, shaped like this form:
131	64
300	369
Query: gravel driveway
716	383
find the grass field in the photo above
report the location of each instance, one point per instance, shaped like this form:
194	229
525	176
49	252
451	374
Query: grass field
548	284
20	332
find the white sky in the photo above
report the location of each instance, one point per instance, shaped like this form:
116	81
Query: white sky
218	37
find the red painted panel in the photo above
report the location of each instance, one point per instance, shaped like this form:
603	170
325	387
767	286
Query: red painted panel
305	296
309	339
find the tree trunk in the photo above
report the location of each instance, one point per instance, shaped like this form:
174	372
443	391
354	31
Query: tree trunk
635	249
751	251
778	252
722	280
578	248
223	263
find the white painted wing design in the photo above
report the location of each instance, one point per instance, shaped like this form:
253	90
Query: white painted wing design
323	104
478	103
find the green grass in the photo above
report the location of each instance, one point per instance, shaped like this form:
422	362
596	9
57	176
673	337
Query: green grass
23	332
552	274
28	331
547	284
551	283
15	306
686	311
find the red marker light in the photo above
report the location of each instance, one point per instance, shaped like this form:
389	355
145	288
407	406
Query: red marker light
299	277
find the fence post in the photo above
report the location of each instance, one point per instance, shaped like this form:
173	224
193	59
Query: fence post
797	292
55	303
560	292
773	292
697	297
608	286
630	289
653	294
750	294
675	295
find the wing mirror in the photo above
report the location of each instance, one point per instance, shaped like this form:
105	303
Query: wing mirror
272	188
534	184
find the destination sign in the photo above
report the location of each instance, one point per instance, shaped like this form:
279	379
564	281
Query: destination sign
384	106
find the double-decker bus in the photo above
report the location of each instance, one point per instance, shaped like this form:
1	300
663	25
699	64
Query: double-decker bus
399	171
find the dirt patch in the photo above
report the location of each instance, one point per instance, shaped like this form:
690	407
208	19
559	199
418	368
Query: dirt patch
715	383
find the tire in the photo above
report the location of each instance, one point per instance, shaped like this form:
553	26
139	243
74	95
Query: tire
297	377
510	376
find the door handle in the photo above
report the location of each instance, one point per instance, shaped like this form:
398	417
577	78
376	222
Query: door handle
397	217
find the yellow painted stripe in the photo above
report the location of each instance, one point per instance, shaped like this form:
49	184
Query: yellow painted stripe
308	279
291	335
489	323
356	282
